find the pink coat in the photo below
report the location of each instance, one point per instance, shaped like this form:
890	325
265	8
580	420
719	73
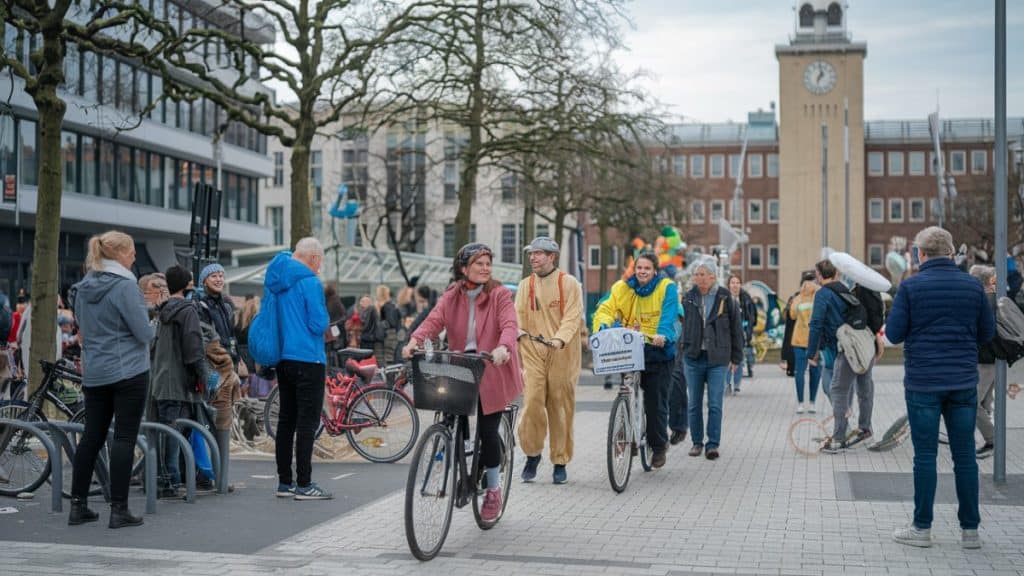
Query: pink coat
495	325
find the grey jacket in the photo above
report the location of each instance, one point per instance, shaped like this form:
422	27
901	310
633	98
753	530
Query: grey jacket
114	327
179	360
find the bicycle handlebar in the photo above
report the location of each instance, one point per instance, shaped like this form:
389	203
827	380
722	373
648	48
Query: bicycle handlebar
485	355
539	338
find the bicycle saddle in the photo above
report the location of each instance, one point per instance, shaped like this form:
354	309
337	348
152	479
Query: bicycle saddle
356	354
364	371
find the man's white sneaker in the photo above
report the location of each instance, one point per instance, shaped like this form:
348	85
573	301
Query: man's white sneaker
913	536
800	409
970	540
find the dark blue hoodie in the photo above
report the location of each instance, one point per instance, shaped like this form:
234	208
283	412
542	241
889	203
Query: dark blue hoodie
302	310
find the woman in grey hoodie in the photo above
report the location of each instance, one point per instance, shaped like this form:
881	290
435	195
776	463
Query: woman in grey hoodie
115	332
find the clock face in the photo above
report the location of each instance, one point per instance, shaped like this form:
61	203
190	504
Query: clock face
819	77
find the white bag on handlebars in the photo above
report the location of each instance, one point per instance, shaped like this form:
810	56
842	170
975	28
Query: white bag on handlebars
617	350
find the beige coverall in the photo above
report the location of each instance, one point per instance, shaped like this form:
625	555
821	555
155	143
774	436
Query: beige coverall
552	308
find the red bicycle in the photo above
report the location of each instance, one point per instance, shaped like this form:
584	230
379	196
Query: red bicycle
366	404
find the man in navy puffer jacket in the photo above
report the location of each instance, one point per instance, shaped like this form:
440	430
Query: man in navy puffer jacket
942	316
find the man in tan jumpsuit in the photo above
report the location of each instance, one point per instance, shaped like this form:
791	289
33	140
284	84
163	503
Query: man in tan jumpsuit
548	304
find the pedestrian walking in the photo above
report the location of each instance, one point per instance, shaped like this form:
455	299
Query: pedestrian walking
548	304
712	348
986	367
941	315
303	320
115	371
649	303
391	320
748	318
799	311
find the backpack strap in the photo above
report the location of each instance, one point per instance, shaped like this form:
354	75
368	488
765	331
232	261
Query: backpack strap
535	305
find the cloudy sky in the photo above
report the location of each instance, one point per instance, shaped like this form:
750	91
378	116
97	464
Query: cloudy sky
714	60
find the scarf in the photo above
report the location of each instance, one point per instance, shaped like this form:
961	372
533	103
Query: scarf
646	289
115	267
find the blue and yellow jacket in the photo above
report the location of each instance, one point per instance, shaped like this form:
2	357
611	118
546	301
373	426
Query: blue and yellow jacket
652	313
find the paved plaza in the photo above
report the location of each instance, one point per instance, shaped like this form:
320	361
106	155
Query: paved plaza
761	509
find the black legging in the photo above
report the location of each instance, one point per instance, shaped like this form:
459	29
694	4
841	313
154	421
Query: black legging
490	440
124	402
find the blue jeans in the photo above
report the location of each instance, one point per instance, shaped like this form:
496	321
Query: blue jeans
677	401
958	409
800	355
167	412
698	375
737	376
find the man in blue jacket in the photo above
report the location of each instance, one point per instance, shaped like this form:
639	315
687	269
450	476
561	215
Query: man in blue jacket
302	316
941	315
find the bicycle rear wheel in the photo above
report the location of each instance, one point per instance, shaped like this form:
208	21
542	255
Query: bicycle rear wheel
272	410
640	419
24	461
430	493
388	424
620	450
504	474
807	436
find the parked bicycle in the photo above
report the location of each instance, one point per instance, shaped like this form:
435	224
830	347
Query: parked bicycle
369	406
24	463
443	474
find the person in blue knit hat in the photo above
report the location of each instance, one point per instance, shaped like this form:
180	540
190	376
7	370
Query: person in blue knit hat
216	308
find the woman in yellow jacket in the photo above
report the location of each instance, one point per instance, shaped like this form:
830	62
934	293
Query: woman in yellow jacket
800	308
648	302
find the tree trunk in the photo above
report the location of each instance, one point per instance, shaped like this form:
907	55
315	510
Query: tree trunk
603	272
467	185
529	220
45	272
301	222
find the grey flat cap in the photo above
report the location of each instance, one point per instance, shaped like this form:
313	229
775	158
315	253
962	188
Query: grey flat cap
542	243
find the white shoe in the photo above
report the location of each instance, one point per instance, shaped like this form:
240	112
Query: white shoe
913	536
969	539
800	409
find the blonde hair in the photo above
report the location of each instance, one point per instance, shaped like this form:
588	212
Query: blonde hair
383	293
250	308
107	246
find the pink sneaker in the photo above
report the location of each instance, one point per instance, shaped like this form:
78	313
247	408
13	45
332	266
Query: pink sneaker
491	509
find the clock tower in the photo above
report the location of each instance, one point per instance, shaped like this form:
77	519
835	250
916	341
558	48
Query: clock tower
821	92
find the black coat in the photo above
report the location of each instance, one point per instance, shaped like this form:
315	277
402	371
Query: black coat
721	336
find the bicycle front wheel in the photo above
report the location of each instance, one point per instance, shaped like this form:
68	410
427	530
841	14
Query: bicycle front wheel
387	425
620	449
640	423
504	474
430	493
272	412
24	461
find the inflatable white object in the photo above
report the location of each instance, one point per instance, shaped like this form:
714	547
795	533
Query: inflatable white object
858	272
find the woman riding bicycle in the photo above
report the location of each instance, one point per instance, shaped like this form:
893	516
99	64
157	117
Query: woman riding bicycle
479	315
648	302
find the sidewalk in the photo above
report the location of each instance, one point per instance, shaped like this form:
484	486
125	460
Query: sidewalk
760	509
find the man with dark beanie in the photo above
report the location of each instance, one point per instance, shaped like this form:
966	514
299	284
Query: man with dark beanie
179	370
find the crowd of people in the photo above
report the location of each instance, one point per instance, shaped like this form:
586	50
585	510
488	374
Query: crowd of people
163	347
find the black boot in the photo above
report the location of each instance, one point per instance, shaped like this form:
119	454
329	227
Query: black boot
80	513
120	516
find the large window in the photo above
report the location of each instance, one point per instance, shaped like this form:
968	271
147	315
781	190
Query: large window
875	255
509	244
734	165
69	158
697	212
8	149
157	92
773	211
916	163
773	165
717	165
108	178
756	212
717	211
155	196
876	210
896	209
278	169
979	161
697	166
679	165
125	87
509	188
125	167
29	153
958	162
754	166
90	76
876	164
896	163
773	256
275	219
917	210
108	81
140	186
90	161
756	259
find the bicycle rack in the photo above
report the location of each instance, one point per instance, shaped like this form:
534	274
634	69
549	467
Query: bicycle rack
211	443
186	451
70	447
56	472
